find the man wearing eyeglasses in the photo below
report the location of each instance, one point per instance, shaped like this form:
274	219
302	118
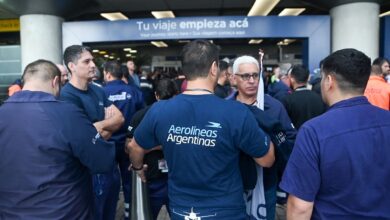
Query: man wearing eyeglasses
246	77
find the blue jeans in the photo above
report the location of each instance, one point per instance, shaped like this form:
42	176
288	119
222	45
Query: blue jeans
106	193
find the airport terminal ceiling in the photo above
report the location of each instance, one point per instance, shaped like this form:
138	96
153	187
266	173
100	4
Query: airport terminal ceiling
76	10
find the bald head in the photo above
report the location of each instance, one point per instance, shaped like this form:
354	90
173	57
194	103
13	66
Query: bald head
41	75
64	73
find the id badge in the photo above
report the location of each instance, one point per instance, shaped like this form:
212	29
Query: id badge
162	165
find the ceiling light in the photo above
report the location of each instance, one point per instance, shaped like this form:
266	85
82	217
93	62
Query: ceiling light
133	51
95	51
128	55
262	7
159	43
384	14
285	42
163	14
111	57
255	41
114	16
102	52
291	11
106	56
126	49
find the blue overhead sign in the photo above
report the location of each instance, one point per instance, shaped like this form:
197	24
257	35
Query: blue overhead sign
316	29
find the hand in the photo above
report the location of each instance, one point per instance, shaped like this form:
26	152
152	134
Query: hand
105	134
99	127
108	112
261	55
141	172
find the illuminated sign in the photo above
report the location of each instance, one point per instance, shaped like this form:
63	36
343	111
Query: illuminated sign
9	25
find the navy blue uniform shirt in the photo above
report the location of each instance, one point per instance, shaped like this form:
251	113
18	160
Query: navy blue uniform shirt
340	162
128	99
47	154
92	101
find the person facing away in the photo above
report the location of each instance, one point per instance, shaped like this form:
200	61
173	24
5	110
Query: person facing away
49	149
377	90
128	99
201	141
339	167
303	104
101	112
156	174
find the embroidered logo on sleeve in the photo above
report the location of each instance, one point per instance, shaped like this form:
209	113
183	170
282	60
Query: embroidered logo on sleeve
94	139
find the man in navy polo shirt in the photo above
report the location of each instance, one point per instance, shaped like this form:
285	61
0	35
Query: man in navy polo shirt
201	136
101	112
128	99
340	167
49	149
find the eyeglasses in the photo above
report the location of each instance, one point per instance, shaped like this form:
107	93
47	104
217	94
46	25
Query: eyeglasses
247	76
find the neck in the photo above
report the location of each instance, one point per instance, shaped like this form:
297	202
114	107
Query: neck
340	96
38	87
298	85
79	83
249	100
201	84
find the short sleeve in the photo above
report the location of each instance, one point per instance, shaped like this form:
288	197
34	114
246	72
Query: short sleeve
87	145
145	134
135	121
302	175
253	141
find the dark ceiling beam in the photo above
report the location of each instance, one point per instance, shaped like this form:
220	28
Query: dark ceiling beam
328	4
61	8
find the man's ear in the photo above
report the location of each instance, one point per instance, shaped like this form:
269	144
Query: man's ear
214	69
56	82
329	82
71	66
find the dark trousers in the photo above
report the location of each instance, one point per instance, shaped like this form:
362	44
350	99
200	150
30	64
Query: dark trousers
124	163
158	195
106	193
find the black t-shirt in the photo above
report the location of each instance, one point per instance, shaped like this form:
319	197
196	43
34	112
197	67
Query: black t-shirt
221	91
302	105
152	158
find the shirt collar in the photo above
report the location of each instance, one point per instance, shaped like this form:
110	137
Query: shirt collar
359	100
115	82
31	96
380	78
234	95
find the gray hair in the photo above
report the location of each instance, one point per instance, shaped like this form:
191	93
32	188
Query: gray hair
243	60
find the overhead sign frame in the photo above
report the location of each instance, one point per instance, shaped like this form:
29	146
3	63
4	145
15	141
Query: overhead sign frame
315	30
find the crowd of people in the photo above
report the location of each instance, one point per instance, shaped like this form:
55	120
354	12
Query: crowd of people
222	139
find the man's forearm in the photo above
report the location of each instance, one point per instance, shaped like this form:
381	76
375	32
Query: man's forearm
136	154
114	123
